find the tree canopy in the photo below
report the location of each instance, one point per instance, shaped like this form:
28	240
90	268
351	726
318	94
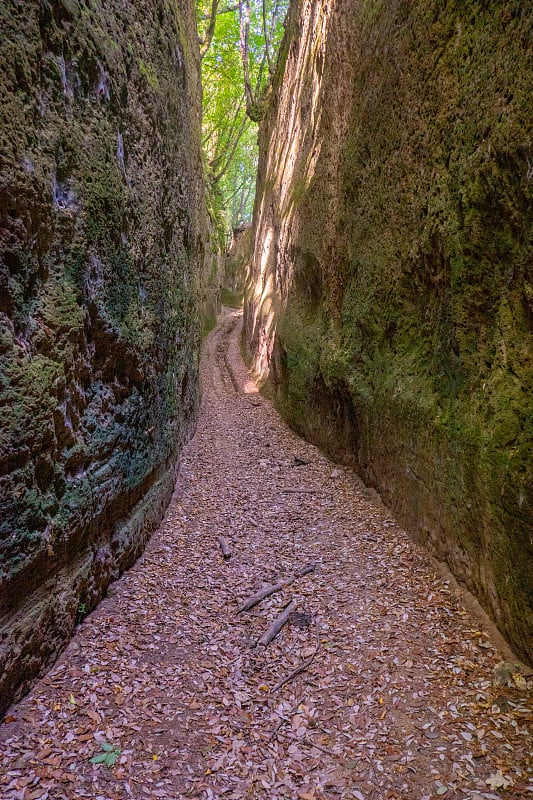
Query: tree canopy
238	45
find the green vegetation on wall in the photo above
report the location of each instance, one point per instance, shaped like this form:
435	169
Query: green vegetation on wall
102	231
403	338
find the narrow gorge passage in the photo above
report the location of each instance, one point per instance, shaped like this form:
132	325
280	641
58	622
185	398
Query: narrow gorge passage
398	699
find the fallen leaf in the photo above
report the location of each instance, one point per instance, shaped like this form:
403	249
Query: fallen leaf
498	781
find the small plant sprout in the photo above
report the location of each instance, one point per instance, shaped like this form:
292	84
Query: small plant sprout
108	756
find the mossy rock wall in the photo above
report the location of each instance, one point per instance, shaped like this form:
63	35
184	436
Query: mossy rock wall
391	293
101	251
238	255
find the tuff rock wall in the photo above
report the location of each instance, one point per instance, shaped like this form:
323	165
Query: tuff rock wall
390	295
101	250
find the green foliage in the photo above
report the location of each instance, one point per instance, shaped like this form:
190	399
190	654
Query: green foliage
229	132
109	755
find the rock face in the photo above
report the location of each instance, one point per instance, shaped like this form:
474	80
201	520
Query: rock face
390	296
237	258
101	251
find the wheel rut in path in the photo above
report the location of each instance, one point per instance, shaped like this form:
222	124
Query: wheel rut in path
396	696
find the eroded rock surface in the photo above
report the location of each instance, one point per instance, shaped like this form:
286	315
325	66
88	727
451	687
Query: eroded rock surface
101	245
390	295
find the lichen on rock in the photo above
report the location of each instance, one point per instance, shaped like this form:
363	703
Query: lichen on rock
102	229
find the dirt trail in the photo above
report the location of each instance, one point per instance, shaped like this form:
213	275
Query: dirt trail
398	701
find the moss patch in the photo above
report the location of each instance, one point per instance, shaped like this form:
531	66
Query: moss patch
403	331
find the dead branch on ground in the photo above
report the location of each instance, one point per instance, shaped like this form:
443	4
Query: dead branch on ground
266	591
285	720
278	624
303	667
225	547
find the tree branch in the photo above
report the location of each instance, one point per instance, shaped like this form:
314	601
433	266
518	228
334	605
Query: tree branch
227	132
267	39
229	158
227	10
210	30
244	26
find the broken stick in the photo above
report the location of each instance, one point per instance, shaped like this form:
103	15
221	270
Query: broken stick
266	591
299	491
284	720
303	667
278	624
304	571
224	546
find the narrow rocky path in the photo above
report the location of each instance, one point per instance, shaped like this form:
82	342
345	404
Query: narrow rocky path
397	699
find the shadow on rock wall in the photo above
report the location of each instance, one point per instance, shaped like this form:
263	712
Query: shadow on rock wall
101	243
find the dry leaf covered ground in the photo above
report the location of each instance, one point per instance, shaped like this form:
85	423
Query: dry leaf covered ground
396	697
